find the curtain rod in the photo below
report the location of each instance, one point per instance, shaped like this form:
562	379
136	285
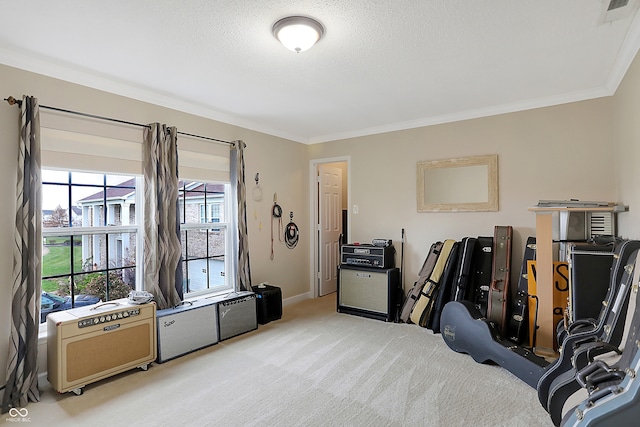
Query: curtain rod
12	101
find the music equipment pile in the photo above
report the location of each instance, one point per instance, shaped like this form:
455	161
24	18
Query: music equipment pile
90	343
463	291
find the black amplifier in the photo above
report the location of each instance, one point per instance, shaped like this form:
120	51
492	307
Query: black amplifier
368	256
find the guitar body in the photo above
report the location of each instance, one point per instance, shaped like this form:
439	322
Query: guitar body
465	330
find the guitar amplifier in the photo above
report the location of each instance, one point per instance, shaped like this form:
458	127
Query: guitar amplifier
269	303
368	292
90	343
368	256
185	328
237	314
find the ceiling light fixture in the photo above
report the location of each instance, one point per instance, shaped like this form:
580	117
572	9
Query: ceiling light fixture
297	33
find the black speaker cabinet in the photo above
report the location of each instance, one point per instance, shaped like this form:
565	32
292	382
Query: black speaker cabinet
368	292
590	270
269	303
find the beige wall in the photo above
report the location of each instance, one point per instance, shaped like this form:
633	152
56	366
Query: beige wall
282	164
550	153
626	145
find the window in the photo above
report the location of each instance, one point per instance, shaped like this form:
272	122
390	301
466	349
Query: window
211	214
90	230
204	236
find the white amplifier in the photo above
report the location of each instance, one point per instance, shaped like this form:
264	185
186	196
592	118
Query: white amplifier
187	327
90	343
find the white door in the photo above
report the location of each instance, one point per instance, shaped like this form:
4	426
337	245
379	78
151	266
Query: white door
329	227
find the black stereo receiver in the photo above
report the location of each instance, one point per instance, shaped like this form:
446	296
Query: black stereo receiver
368	256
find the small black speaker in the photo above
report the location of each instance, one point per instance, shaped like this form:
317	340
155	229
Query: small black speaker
269	303
368	292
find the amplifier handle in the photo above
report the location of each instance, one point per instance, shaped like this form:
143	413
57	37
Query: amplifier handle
103	304
182	303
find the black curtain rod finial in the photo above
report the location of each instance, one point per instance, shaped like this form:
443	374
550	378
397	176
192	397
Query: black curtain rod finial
12	101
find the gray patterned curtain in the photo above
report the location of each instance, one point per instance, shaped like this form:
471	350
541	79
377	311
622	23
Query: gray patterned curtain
243	270
22	366
162	248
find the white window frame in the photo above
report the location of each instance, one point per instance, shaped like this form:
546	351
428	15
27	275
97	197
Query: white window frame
138	228
229	276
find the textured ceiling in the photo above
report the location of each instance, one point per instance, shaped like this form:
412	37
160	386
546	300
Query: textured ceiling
381	66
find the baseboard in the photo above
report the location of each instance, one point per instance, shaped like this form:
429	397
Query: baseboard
296	298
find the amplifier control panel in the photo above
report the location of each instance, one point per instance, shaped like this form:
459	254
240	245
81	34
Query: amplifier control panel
368	256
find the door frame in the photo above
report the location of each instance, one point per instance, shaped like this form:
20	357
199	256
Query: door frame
313	208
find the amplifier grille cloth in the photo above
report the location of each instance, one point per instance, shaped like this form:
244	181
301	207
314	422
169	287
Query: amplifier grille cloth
107	351
364	290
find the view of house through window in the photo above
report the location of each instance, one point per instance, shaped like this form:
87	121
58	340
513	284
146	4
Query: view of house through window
89	231
203	235
91	234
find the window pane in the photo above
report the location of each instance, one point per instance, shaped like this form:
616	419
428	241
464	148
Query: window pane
195	242
55	205
121	180
122	249
56	256
216	273
216	243
87	178
106	286
196	272
49	175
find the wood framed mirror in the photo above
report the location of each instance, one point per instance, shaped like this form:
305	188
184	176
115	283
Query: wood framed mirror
467	184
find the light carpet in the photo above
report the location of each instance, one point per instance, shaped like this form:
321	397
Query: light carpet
314	367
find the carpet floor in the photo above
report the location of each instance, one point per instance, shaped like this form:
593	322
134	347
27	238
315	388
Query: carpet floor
313	367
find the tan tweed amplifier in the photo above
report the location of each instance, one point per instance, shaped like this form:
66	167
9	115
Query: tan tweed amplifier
88	344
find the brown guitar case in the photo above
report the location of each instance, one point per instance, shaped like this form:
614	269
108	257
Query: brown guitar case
498	298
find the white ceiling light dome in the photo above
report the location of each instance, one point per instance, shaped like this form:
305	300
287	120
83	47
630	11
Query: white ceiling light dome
298	33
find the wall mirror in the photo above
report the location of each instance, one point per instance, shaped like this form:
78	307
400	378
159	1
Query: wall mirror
468	184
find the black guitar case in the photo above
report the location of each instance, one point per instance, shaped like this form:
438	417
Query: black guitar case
462	282
613	388
465	330
608	329
590	269
482	265
444	293
559	384
518	324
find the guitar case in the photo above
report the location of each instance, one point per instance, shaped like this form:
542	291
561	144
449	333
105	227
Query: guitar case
444	294
590	269
461	288
566	383
615	405
465	330
482	265
608	330
423	276
613	388
517	328
613	402
498	297
423	306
